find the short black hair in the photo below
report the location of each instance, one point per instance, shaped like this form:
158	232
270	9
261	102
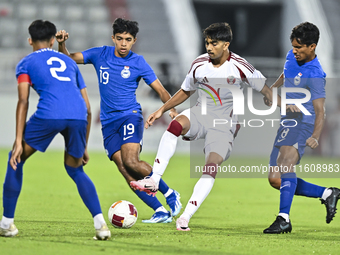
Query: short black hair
219	31
121	26
42	30
305	33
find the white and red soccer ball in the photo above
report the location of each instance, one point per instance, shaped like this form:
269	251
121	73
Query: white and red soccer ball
122	214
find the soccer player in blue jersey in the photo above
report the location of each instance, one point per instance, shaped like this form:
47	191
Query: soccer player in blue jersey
119	71
63	108
302	70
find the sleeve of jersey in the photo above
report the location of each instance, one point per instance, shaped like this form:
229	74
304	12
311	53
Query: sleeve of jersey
90	55
24	78
80	81
317	86
22	73
189	81
148	74
256	80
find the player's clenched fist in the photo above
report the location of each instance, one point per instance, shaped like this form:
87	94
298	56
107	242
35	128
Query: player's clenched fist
61	36
312	142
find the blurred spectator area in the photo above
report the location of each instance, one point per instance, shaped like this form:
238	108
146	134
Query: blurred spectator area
170	37
89	23
259	28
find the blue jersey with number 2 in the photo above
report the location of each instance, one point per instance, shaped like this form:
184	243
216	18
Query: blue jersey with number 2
58	81
118	80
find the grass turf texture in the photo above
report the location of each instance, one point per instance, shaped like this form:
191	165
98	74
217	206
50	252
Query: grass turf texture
52	219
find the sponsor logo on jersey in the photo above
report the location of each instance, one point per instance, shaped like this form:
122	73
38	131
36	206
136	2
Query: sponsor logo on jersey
209	93
125	73
205	79
297	79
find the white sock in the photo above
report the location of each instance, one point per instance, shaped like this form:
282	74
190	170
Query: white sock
285	216
201	191
166	150
6	222
98	221
161	209
168	193
326	193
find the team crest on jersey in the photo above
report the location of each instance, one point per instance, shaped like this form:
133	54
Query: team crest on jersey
125	73
231	80
297	79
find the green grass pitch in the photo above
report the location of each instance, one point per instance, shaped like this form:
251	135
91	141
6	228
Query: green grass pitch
52	219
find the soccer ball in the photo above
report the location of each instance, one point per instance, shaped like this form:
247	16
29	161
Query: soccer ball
122	214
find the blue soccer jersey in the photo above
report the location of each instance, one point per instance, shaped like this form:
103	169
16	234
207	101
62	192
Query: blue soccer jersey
57	80
118	80
309	76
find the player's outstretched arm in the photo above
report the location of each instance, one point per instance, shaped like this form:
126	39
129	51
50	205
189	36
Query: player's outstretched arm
268	95
319	108
180	96
61	37
164	95
278	83
21	114
83	92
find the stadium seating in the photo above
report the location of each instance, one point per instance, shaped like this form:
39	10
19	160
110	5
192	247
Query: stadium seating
75	16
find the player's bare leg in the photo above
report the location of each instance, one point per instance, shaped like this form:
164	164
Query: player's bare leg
274	177
166	149
201	191
117	158
161	215
131	161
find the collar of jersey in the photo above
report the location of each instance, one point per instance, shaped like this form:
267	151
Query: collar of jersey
127	56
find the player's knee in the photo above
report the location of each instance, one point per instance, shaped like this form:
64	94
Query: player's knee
275	182
286	160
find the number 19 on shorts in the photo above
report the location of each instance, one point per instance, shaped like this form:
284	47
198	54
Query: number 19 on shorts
129	129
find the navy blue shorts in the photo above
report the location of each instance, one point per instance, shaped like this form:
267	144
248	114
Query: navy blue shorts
39	133
128	129
291	136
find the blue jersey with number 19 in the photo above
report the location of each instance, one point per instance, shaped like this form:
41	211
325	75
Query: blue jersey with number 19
57	80
118	80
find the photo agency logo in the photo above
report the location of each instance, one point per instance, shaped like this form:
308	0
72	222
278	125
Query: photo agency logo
224	96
